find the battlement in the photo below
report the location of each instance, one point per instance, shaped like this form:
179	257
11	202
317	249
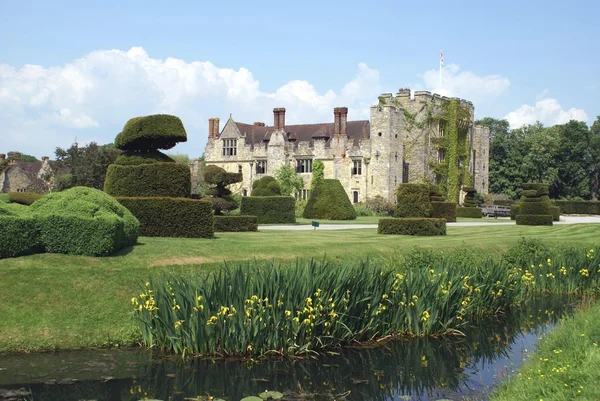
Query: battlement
405	98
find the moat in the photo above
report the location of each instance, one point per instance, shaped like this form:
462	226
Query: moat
408	369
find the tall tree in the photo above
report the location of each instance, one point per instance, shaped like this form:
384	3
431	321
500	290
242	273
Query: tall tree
289	182
595	152
87	165
575	157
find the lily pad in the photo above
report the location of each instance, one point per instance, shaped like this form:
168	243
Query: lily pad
251	398
276	395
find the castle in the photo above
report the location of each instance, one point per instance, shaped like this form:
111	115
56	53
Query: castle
402	142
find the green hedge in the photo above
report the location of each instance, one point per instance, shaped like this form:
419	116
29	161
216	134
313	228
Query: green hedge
270	209
20	236
329	201
266	186
529	193
171	217
159	179
578	207
444	210
534	208
555	212
159	131
533	186
534	219
137	158
413	201
536	199
235	223
412	226
514	210
473	212
23	198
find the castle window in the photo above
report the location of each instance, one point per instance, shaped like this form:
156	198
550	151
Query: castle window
303	194
240	169
261	167
405	172
229	147
355	196
441	155
245	192
357	167
396	156
304	166
379	134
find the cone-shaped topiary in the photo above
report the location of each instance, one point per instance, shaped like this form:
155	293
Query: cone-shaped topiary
158	131
329	201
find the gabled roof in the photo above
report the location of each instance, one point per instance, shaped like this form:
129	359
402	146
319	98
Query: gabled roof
256	134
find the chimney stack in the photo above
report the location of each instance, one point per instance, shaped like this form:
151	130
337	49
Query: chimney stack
15	157
216	130
340	120
259	124
211	127
2	157
279	118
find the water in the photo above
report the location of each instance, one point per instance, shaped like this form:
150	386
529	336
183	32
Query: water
415	369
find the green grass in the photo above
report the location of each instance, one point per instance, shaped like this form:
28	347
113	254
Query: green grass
565	367
375	220
51	301
4	198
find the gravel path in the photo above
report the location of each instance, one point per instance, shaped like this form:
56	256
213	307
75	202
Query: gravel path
508	222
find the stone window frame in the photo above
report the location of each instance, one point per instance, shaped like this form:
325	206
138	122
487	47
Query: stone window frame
303	194
356	167
229	147
261	166
304	165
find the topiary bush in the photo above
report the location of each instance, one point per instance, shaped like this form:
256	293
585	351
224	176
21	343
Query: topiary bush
555	212
157	179
469	207
534	208
472	212
23	198
578	207
171	217
435	194
413	201
235	223
412	226
159	131
534	219
270	209
329	201
514	210
137	158
266	186
19	232
218	179
444	210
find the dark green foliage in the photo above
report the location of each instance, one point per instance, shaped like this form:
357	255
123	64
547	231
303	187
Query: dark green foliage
534	219
435	194
514	210
329	201
555	212
534	208
472	212
83	221
578	207
470	197
159	131
529	193
158	179
218	179
412	226
444	210
20	235
23	198
270	209
171	217
137	158
235	223
380	206
266	186
536	199
413	201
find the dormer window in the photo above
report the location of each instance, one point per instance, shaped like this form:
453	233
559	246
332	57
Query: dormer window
229	147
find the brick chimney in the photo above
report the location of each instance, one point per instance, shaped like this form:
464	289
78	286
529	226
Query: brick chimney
211	127
340	120
279	118
276	117
282	118
259	124
216	129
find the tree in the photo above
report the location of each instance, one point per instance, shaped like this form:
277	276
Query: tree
289	182
218	194
266	186
595	153
317	174
87	165
576	164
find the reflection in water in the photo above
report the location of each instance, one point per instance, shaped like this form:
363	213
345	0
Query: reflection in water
418	369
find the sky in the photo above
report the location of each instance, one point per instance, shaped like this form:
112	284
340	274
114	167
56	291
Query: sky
75	70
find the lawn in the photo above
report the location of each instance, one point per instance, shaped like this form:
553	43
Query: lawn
375	220
50	301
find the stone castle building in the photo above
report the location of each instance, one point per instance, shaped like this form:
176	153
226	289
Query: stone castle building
20	176
370	157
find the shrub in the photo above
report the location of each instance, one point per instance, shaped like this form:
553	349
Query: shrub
235	223
361	209
381	206
84	221
266	186
158	179
329	201
578	207
472	212
300	205
514	210
534	208
555	212
23	198
412	226
444	210
470	200
137	158
534	219
159	131
413	201
217	193
20	235
435	194
171	217
270	209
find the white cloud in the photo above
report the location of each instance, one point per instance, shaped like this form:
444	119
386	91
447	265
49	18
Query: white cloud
93	96
547	111
465	84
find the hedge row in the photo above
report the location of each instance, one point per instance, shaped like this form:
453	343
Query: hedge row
23	198
444	210
235	223
136	158
270	209
159	131
534	219
171	217
514	210
328	201
158	179
555	212
413	201
473	212
412	226
534	208
20	236
578	207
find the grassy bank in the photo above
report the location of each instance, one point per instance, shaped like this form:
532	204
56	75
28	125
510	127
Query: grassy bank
565	367
51	301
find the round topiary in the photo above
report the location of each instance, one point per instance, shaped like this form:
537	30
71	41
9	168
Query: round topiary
266	186
137	158
329	201
158	131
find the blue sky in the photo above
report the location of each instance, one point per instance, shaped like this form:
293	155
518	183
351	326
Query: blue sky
72	69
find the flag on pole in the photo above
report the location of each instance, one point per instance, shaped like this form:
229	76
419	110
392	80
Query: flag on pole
441	59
